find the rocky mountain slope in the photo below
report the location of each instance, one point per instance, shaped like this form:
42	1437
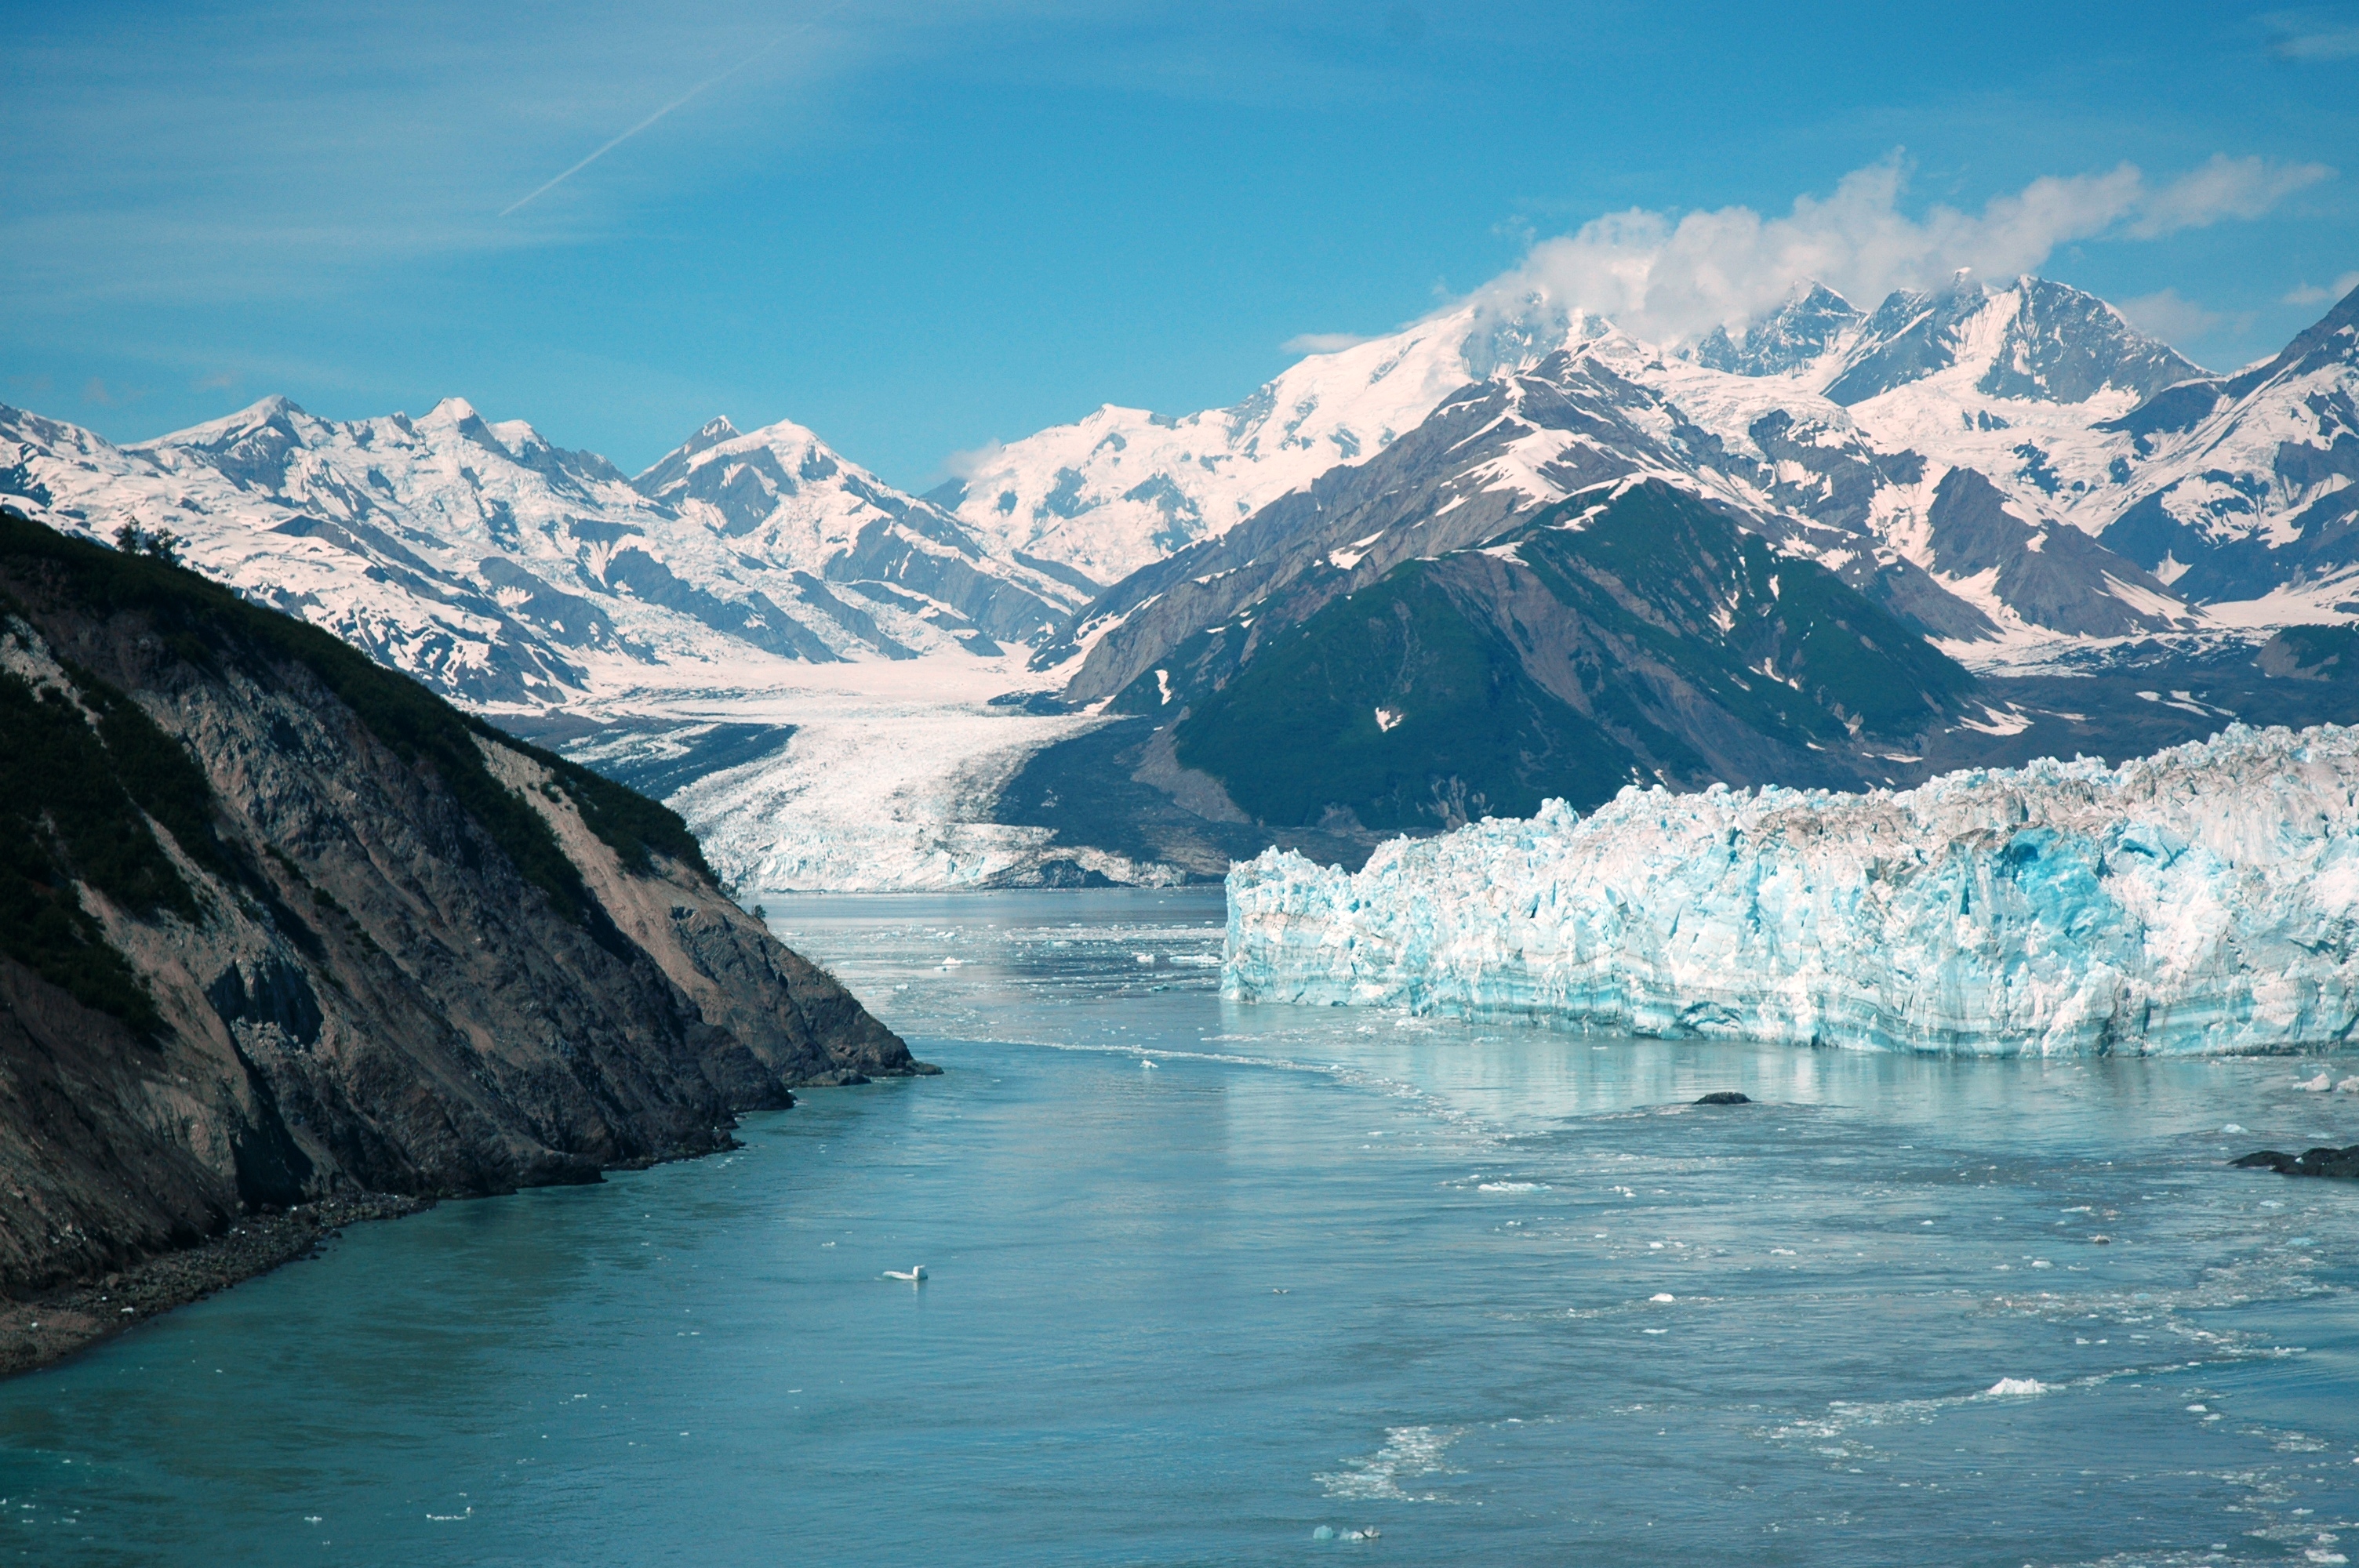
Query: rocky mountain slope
1630	636
1970	550
2246	487
277	924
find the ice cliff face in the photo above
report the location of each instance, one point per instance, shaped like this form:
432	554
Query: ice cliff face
2202	899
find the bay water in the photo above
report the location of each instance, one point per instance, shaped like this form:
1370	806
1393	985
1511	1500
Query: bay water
1218	1283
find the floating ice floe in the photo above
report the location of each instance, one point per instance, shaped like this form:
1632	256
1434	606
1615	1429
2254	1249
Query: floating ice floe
2014	1388
2202	899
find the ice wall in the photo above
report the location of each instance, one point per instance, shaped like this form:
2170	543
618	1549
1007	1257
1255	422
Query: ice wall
2202	899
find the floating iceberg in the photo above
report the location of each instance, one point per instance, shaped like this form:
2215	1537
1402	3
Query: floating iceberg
2205	899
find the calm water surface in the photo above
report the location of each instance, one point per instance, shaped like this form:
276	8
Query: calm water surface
1501	1294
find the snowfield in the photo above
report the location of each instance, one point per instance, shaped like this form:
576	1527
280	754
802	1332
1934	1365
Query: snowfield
2204	899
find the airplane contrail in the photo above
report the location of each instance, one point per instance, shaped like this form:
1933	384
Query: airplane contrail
709	82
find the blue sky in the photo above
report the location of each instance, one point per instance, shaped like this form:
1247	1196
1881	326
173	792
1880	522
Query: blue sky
917	229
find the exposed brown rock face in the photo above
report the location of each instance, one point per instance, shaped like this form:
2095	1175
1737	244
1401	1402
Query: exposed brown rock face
389	950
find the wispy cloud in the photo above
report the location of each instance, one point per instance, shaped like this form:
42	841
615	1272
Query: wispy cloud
301	147
2312	34
2311	293
696	92
2167	316
1672	278
219	381
2224	187
965	465
1323	342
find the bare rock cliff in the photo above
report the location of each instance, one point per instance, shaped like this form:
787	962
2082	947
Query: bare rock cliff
277	924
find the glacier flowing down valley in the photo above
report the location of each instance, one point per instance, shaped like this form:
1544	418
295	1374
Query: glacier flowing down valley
2203	900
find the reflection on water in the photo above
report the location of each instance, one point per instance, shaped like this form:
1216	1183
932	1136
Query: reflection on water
1204	1280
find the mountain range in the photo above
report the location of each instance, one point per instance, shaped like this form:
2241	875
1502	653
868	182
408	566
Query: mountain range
2009	473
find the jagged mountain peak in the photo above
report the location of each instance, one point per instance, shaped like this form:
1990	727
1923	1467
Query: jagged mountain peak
276	412
788	453
1812	321
2031	338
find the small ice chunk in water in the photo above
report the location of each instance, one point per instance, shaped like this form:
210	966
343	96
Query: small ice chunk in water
2231	1127
1662	1296
1324	1533
2009	1388
2316	1086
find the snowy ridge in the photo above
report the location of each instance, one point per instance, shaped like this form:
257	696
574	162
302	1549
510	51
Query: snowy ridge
1124	488
2202	899
512	573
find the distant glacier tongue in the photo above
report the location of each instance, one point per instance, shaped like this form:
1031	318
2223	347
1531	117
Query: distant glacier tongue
2202	899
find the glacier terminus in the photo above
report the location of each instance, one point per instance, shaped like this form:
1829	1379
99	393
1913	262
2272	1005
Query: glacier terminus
2202	899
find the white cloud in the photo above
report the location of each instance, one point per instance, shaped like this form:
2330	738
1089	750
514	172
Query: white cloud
2224	187
2311	34
965	465
1671	279
2167	316
1322	342
2311	293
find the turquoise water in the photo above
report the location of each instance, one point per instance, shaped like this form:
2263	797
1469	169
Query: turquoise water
1313	1269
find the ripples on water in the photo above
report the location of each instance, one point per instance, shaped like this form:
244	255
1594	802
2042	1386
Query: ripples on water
1206	1279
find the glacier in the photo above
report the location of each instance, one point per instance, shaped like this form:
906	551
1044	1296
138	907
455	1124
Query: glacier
2202	899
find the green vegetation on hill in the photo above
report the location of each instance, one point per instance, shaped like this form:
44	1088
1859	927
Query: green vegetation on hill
128	760
66	817
1801	656
1568	657
1301	730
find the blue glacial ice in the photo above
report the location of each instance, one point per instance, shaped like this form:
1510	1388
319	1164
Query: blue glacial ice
2205	899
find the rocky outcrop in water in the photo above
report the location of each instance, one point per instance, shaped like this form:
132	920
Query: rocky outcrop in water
2324	1161
277	924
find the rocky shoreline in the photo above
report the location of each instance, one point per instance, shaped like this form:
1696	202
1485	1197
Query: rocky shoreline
45	1329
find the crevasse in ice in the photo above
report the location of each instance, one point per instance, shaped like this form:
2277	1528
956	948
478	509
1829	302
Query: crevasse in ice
2205	899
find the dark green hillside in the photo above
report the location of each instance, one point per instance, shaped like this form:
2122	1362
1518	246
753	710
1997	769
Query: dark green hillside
1299	733
206	624
2328	652
1654	642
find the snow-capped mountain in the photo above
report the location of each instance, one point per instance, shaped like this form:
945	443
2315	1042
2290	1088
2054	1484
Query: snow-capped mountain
2030	384
1123	487
511	572
2247	488
1944	546
2012	470
1476	616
